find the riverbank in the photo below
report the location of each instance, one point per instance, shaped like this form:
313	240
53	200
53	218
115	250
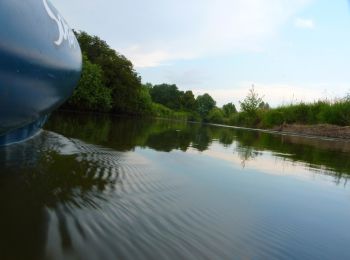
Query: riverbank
320	130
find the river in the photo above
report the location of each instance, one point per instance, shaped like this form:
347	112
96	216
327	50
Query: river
102	187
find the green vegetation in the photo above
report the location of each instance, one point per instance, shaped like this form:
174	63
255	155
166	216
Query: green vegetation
321	112
91	94
104	69
110	84
205	103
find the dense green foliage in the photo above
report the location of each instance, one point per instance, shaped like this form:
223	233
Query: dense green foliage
216	115
171	97
321	112
116	73
188	101
91	94
205	104
167	95
229	109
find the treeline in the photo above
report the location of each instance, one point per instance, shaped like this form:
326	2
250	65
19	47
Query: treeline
109	83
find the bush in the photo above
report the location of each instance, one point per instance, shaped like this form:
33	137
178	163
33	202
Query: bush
216	115
272	118
245	119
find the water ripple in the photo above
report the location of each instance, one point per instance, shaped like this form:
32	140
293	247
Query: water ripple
100	203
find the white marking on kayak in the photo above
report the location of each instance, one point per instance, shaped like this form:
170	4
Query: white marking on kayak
65	32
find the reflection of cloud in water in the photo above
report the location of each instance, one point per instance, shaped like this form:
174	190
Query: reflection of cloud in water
267	162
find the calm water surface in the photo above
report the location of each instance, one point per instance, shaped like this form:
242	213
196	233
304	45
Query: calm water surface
96	187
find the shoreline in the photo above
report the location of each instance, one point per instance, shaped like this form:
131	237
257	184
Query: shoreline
320	131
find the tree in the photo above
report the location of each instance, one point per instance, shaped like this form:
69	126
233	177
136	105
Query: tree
229	109
167	95
188	101
251	102
205	103
91	94
144	101
117	71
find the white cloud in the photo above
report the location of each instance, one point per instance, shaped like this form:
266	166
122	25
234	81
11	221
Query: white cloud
222	27
304	23
170	30
146	59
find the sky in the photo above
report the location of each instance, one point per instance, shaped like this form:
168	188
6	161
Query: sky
290	50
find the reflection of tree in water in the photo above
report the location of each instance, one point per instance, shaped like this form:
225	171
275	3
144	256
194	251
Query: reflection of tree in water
42	174
169	140
202	139
246	153
245	146
125	134
227	137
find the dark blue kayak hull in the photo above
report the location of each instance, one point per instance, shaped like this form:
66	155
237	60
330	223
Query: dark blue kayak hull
40	64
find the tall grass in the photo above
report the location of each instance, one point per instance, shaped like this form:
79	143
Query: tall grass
335	112
321	112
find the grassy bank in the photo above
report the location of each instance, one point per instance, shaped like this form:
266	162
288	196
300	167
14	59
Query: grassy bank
322	118
321	112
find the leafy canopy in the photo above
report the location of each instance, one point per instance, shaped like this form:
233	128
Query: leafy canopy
117	72
91	94
205	104
229	109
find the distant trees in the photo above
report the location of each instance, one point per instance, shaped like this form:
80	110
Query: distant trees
188	101
167	95
229	109
171	97
205	103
